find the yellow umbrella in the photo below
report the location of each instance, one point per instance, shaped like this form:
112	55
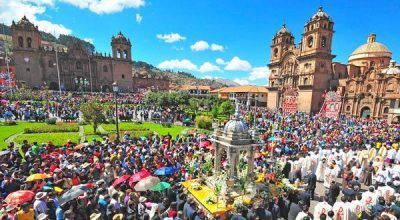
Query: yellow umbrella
58	189
37	176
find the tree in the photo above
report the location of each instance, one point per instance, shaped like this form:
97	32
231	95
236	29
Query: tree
92	112
226	108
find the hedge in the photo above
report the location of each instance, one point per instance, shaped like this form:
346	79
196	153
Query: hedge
57	128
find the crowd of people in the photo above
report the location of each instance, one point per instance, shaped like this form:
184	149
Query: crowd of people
354	160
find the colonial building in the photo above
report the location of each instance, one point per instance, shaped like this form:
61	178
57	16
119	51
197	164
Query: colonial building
305	70
196	91
369	83
146	79
246	95
39	63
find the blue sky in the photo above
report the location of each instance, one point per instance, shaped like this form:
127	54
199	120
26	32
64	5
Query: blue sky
236	32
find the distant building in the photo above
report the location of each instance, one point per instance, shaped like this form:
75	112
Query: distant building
246	95
144	80
370	82
36	62
196	91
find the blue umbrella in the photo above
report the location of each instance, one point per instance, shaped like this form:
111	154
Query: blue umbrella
164	171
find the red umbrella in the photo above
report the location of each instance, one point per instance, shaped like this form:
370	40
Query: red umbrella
138	176
19	197
120	180
206	144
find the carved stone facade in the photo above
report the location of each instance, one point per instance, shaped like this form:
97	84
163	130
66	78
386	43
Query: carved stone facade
370	82
306	68
36	62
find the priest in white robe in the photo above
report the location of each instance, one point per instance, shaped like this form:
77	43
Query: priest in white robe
321	167
341	210
322	208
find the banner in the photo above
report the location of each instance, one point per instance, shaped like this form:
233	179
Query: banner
289	101
332	104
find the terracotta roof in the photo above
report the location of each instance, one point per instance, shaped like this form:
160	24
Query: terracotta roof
189	87
244	89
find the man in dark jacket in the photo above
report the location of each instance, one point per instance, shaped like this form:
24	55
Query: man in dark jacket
333	193
295	209
312	184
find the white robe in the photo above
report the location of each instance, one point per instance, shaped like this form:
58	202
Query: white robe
330	174
385	192
321	208
356	208
341	210
369	198
320	172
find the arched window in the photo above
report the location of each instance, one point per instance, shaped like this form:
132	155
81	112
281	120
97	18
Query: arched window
51	64
372	64
348	108
390	87
105	69
78	65
305	81
386	110
125	54
20	41
29	42
275	52
123	76
310	41
272	84
369	88
119	54
323	41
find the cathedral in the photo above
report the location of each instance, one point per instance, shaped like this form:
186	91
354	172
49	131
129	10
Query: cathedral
39	63
300	75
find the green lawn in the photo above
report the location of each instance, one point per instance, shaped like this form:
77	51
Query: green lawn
58	139
145	126
7	130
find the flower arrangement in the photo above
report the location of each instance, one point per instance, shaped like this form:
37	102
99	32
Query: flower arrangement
211	200
196	186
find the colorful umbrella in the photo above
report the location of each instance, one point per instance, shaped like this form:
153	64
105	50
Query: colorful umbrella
206	144
161	186
121	179
146	183
37	176
164	171
138	176
19	197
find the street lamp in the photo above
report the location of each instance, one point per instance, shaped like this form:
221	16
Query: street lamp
115	90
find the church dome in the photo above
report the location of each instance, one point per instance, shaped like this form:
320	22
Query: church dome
320	14
371	49
283	30
393	69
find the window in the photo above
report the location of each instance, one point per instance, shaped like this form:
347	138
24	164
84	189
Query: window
123	76
386	110
51	64
28	69
119	54
390	87
272	84
287	40
348	108
310	42
20	41
125	54
323	41
305	81
78	65
29	42
275	52
105	69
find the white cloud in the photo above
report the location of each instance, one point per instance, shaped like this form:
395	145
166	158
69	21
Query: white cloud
236	64
210	77
177	64
241	81
259	73
220	61
139	18
178	48
90	40
200	46
171	38
106	6
209	67
16	9
217	47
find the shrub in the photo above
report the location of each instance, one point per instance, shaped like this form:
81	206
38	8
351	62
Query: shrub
51	121
57	128
204	122
111	120
9	123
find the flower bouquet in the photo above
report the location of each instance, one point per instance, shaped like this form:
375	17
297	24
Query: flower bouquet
211	200
196	186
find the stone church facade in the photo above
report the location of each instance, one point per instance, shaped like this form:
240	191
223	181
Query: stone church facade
369	84
305	68
36	62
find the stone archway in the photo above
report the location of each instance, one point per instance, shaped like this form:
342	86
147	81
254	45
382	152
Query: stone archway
365	112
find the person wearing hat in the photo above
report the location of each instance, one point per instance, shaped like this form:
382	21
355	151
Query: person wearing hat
11	211
95	216
39	206
26	212
42	216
